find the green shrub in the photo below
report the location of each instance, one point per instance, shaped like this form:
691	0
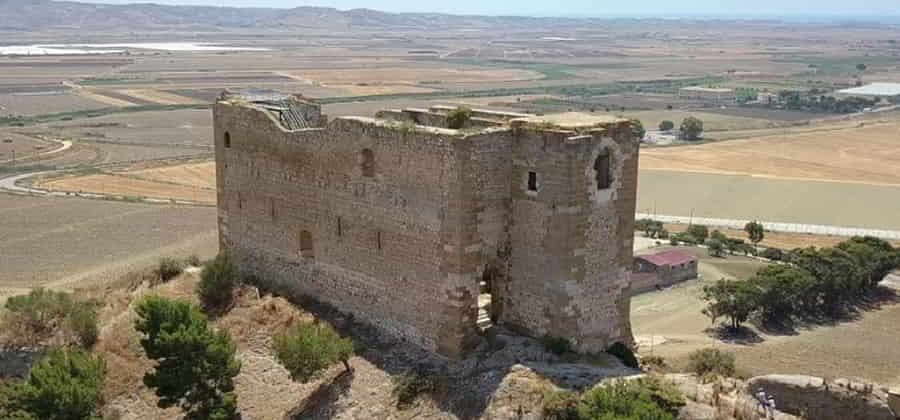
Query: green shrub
42	313
647	398
699	232
710	361
666	125
168	268
457	118
655	363
664	393
556	345
773	254
195	366
408	387
217	283
622	400
64	385
560	405
82	322
683	237
309	348
624	354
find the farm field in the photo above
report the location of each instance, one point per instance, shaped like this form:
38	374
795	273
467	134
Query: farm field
45	103
775	200
60	241
120	184
673	318
867	154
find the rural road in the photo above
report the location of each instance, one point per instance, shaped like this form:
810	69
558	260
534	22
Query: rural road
777	226
64	145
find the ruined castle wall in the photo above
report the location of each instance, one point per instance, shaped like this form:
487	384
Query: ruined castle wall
381	248
491	167
603	299
570	247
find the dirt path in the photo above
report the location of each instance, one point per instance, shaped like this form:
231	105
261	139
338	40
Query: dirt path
64	145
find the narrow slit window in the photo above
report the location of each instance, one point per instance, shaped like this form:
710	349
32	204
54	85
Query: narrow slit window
602	170
340	228
227	140
378	240
306	245
367	162
532	181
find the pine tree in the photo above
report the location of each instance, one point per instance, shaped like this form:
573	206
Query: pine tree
195	365
64	385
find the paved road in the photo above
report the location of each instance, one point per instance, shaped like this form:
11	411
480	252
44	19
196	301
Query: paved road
778	226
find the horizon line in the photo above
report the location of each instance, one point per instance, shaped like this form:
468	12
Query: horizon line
826	16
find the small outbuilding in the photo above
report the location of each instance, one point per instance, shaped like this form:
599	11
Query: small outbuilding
662	269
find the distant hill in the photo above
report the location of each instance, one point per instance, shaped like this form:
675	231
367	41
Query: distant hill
45	14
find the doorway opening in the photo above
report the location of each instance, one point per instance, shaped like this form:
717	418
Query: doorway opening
488	300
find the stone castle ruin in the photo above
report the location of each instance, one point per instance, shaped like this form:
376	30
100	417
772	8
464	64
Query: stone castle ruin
408	224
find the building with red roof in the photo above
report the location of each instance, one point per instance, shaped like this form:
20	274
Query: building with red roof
662	269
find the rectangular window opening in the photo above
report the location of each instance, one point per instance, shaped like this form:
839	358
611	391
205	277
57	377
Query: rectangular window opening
602	171
532	181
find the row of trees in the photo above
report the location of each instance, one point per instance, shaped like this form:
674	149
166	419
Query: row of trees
822	103
691	128
717	242
813	282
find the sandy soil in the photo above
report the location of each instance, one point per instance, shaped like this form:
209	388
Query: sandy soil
200	175
869	154
117	184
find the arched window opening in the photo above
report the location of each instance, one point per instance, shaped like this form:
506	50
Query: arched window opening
367	162
306	245
227	140
602	170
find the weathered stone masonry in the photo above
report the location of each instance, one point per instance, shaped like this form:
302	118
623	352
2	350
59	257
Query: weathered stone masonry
397	219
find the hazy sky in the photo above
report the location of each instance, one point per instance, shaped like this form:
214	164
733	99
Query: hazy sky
659	8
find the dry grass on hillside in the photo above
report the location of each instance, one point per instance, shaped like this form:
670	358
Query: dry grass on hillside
252	322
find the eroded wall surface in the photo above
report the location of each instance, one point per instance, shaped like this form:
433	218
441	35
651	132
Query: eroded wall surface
380	245
398	225
572	242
